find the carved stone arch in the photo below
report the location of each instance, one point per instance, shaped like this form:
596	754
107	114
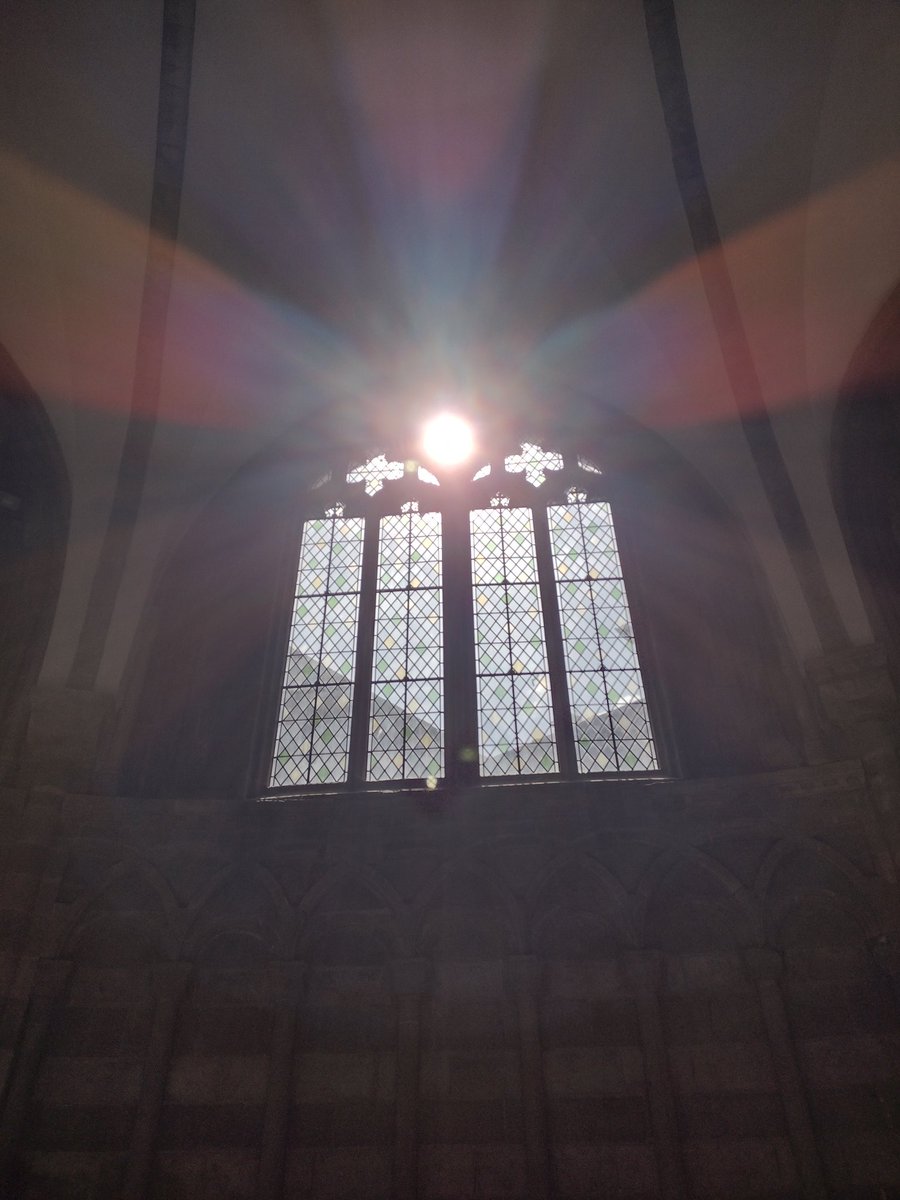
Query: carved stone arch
689	902
122	894
35	500
465	910
340	904
865	479
111	939
560	900
798	871
232	946
820	918
516	860
360	876
790	843
246	897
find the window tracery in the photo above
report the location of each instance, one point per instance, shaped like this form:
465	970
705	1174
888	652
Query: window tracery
391	672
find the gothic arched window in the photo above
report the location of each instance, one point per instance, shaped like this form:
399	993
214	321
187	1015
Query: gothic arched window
464	627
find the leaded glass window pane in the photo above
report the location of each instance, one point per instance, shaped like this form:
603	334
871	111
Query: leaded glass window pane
609	708
312	743
515	718
407	717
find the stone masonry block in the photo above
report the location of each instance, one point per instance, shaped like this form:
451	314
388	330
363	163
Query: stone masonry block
352	1173
593	1071
740	1167
89	1081
723	1067
322	1078
210	1079
470	1075
617	1172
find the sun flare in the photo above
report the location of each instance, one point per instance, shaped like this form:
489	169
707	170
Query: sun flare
448	439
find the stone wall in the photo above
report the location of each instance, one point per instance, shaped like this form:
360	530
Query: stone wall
617	989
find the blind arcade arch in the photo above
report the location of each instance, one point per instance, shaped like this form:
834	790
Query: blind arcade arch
464	627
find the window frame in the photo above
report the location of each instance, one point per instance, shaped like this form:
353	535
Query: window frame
455	497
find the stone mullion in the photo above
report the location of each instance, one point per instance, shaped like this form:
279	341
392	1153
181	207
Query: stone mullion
48	985
460	686
556	654
765	967
523	981
644	972
365	652
169	981
289	987
885	951
410	984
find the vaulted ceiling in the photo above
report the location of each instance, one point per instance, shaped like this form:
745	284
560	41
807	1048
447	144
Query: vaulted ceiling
688	212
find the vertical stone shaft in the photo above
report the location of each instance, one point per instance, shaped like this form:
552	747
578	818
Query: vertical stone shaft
765	968
410	983
288	985
523	981
50	978
644	971
885	951
169	981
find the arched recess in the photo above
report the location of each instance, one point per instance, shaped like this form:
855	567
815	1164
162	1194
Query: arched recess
202	684
866	471
34	523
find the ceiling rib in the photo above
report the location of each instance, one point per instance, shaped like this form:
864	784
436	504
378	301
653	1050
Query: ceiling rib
165	205
671	82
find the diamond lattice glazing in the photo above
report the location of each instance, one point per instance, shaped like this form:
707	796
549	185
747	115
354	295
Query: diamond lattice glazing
313	738
515	717
407	717
606	692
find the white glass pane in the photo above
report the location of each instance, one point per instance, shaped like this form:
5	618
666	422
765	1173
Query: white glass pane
606	692
407	716
313	738
515	717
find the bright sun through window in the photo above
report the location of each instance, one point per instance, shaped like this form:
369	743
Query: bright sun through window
448	440
464	633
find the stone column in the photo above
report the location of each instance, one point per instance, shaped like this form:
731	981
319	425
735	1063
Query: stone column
857	696
523	977
288	980
885	950
48	985
410	979
765	968
644	973
38	937
169	982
